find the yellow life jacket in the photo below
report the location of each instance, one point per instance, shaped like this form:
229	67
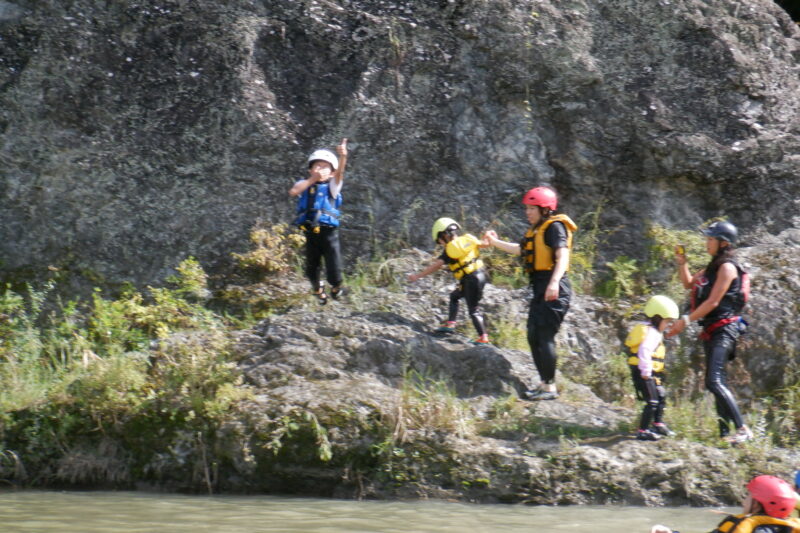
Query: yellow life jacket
464	250
536	255
635	338
746	523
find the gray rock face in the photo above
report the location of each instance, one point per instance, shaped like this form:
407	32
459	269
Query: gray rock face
771	347
351	367
134	135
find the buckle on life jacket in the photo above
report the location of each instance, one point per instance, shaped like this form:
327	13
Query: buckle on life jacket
709	330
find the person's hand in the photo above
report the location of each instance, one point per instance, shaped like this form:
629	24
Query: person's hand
677	327
412	278
489	237
314	176
551	293
342	148
658	528
680	255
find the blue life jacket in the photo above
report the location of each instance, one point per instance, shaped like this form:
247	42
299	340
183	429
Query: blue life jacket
316	208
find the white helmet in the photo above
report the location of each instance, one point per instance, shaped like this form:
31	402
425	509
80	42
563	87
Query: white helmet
324	155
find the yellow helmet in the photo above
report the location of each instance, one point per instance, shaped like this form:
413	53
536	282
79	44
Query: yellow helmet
441	225
662	306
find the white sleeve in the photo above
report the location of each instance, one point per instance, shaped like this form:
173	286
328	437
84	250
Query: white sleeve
335	187
646	349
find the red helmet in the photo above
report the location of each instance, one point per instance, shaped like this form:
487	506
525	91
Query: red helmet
775	494
541	196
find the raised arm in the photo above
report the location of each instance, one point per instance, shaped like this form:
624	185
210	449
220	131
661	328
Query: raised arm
725	276
683	269
342	151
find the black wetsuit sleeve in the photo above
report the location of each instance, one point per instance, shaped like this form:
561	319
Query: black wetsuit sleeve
555	236
446	258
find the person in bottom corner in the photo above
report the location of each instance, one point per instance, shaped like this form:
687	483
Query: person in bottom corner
545	250
318	202
765	509
646	342
462	256
719	293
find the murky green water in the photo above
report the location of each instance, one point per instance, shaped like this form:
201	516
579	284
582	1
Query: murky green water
133	512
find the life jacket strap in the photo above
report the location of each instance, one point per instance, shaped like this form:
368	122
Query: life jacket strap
463	266
708	330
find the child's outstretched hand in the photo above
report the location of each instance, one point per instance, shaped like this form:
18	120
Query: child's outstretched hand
342	148
488	237
412	278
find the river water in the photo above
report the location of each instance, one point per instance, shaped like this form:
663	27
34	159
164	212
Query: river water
134	512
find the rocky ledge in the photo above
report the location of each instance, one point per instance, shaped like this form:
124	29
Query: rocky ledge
360	398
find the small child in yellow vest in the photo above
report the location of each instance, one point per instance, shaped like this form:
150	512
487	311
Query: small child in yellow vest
462	255
646	344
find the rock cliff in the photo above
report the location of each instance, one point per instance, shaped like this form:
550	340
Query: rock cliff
137	133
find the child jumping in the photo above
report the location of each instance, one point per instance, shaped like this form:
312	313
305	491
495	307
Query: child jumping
318	202
646	341
461	255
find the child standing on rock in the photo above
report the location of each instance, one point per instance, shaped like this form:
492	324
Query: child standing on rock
318	202
461	255
646	342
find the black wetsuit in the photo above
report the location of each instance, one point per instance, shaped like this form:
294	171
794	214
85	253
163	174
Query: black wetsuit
653	394
721	346
544	318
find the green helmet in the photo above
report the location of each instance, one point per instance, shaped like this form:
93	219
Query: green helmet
441	225
662	306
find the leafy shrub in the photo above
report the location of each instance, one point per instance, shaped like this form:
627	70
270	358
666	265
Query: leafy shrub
623	278
275	249
137	370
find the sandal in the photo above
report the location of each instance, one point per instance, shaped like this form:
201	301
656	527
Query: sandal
323	298
337	292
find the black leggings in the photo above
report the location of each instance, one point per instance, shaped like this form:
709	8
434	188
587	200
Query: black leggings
471	289
323	244
544	321
654	396
719	349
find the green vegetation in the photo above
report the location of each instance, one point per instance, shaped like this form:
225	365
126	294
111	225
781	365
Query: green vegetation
274	250
512	335
129	374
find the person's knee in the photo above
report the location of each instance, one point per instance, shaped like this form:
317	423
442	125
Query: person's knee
715	385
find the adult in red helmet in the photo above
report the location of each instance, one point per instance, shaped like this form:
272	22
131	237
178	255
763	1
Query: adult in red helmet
545	250
719	293
766	509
